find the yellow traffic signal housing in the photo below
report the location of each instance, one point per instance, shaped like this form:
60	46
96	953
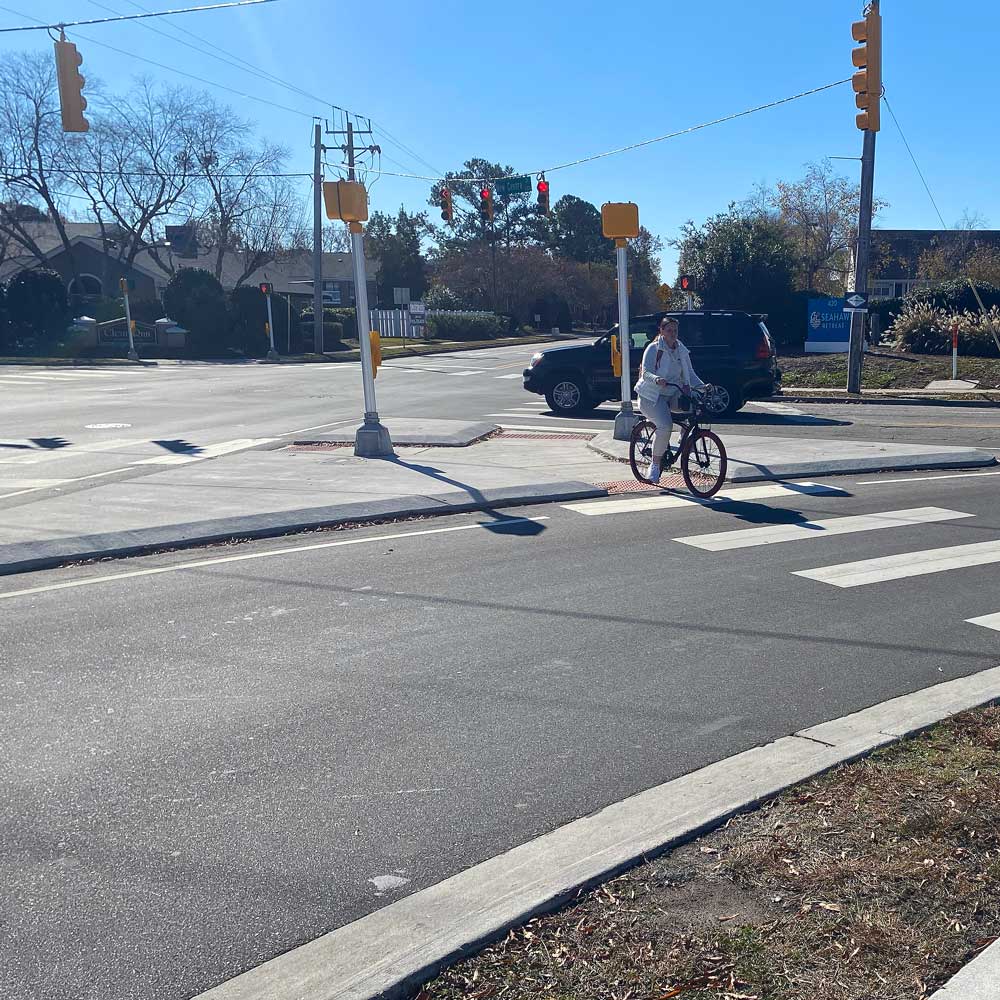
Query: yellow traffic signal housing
616	356
628	285
867	57
376	342
346	200
72	103
620	220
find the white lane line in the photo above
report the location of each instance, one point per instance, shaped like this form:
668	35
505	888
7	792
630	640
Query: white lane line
779	408
78	479
514	375
987	621
865	571
721	541
927	479
200	563
209	451
542	428
629	505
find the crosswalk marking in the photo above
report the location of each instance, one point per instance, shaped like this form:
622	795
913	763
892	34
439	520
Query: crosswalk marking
563	426
629	505
209	451
514	375
987	621
866	571
721	541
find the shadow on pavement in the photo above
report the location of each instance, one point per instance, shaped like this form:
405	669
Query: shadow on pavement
179	447
502	523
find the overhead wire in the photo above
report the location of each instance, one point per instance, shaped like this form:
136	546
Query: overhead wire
41	26
920	173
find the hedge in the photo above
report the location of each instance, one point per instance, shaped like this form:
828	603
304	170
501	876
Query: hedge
466	327
920	328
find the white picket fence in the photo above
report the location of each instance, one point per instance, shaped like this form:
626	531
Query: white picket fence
398	323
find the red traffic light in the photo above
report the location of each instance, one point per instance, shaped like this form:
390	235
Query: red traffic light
687	283
485	194
265	288
543	187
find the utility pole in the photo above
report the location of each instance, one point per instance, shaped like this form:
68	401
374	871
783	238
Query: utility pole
318	344
862	261
867	86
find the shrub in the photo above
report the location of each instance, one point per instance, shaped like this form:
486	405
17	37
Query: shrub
37	303
921	328
345	318
247	319
441	297
194	299
457	327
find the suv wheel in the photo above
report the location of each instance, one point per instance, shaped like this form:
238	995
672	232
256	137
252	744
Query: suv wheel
568	394
728	400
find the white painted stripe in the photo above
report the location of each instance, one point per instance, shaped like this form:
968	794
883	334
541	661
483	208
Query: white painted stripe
628	505
543	428
865	571
987	621
745	538
209	451
515	375
927	479
200	563
38	378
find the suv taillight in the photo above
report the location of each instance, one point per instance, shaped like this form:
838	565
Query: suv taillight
764	349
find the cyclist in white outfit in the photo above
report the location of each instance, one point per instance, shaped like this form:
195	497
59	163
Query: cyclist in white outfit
666	364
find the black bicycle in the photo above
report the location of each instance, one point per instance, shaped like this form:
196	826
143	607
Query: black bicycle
702	453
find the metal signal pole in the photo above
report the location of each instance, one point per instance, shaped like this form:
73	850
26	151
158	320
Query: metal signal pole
862	261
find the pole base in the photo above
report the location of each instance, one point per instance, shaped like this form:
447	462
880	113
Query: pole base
372	441
273	356
133	355
625	420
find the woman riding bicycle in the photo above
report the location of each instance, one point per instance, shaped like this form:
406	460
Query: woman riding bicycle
665	375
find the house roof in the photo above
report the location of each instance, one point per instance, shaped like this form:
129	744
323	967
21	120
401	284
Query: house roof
896	252
286	273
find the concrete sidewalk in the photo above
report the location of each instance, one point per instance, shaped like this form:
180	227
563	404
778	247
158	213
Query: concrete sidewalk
261	493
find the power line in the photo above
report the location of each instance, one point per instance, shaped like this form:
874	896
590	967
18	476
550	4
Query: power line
920	173
636	145
129	17
173	69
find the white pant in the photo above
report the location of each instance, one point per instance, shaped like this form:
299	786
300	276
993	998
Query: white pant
658	410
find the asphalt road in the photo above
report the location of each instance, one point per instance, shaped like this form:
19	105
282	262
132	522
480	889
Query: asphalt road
74	429
202	766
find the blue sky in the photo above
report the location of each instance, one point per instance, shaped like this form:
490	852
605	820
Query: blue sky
537	84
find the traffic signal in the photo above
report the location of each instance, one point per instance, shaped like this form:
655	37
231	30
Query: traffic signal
72	103
486	204
686	282
447	208
266	288
376	341
543	195
616	357
867	57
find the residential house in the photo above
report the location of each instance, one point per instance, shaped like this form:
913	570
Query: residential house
896	254
91	268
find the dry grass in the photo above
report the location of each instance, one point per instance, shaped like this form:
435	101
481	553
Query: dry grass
875	882
884	370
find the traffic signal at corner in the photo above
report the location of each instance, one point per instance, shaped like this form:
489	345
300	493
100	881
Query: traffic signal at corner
867	58
447	206
686	282
265	288
543	195
486	204
72	103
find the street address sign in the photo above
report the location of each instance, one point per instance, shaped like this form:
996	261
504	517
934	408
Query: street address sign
856	302
506	186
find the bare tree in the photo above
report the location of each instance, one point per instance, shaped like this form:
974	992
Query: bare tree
135	166
247	208
32	145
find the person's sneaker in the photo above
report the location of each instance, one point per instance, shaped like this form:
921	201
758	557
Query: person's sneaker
654	472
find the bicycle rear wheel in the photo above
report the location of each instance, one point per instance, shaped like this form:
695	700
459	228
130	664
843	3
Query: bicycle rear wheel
704	464
640	449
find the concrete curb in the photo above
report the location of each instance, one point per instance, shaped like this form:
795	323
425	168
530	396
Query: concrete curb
390	952
26	557
741	471
802	397
979	980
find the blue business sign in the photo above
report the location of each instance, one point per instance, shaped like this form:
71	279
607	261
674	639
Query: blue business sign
829	327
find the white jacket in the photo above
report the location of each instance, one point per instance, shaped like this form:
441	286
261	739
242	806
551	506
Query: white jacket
659	361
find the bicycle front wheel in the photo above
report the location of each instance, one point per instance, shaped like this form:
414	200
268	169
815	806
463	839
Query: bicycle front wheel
704	464
640	449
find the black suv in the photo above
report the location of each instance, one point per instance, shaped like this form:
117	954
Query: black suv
732	350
